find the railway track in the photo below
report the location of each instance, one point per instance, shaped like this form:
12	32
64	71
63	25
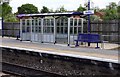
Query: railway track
26	72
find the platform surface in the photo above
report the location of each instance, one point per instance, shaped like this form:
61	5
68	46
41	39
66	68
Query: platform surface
59	49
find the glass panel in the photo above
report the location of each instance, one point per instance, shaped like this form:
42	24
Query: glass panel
71	30
79	22
52	29
75	30
71	22
66	30
52	23
75	22
28	29
57	29
28	23
61	30
23	29
39	29
40	22
36	29
32	29
36	22
48	22
62	23
23	22
48	30
79	29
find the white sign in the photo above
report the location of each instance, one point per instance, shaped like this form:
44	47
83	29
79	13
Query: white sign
88	12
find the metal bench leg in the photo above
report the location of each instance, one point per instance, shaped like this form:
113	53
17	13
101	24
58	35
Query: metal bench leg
97	46
76	44
88	43
17	38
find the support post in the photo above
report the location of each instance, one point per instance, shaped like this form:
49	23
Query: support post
68	31
54	31
21	30
88	19
25	29
42	30
31	29
38	35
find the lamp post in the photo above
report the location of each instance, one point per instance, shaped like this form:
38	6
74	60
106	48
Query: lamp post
88	17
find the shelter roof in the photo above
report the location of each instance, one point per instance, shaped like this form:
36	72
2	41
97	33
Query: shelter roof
50	14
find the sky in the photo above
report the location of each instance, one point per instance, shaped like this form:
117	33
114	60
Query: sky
55	4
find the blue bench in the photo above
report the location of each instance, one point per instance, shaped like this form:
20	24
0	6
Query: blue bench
89	38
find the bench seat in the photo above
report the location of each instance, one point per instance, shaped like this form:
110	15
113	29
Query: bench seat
89	38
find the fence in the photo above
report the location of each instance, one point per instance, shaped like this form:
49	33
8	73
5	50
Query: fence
110	30
10	29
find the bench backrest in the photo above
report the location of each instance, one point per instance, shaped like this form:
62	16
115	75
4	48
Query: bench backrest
88	37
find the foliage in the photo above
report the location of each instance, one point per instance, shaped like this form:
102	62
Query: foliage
6	13
45	10
81	9
10	18
51	10
112	5
96	9
61	9
6	9
118	10
111	12
27	9
0	11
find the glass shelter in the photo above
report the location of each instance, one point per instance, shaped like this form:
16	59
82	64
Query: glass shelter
54	28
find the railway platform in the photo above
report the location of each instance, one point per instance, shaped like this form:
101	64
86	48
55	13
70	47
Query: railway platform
107	54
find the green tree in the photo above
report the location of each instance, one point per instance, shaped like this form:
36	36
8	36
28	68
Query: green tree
61	9
6	13
118	10
6	9
111	11
10	18
27	9
45	10
80	8
112	5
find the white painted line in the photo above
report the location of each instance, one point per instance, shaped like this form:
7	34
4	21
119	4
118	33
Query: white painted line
66	54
